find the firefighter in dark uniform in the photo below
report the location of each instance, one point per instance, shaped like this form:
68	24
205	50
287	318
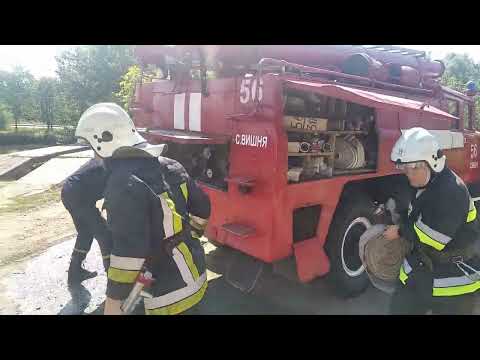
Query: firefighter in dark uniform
80	193
156	214
440	272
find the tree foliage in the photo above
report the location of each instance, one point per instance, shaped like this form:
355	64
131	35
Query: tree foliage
46	94
133	76
459	69
16	93
127	85
92	74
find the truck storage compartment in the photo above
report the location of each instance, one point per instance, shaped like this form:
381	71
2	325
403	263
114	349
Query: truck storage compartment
207	163
327	136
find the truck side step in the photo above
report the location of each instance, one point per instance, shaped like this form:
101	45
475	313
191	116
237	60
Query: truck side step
239	230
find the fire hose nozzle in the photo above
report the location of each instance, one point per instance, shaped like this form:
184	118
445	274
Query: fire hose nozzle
144	279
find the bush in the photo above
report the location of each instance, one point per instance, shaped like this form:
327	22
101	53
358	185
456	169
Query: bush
5	118
25	137
20	138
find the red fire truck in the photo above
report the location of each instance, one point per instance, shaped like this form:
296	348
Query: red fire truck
292	143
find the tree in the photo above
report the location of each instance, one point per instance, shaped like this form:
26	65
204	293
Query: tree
46	99
127	85
17	93
91	74
459	69
131	78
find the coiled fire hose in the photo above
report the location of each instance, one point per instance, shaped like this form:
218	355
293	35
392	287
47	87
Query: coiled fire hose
382	258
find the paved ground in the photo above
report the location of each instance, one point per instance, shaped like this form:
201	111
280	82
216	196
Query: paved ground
38	286
52	172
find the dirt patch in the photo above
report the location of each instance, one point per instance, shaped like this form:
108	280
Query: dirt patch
31	224
25	204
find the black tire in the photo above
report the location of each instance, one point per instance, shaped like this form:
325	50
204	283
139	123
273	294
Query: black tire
347	275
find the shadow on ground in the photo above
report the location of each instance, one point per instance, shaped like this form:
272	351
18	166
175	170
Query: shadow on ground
79	302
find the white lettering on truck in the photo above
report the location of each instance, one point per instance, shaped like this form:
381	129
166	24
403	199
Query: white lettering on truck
251	140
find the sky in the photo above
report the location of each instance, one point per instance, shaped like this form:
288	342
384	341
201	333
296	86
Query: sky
439	51
40	59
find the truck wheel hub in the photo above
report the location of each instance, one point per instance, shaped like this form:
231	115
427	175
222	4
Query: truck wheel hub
352	265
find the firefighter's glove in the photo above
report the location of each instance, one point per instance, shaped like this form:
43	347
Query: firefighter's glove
198	226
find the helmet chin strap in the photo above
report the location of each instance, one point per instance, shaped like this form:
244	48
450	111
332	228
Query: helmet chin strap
429	176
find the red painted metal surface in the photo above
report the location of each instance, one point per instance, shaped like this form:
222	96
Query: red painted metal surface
258	222
368	98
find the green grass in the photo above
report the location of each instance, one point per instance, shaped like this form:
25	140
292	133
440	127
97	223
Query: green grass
36	136
30	131
26	203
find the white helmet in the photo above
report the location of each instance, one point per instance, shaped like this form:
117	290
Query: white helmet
417	144
111	132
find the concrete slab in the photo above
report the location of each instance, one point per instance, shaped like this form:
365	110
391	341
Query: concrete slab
81	154
49	151
8	164
53	172
15	165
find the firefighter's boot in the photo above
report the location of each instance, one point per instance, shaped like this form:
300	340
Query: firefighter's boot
76	272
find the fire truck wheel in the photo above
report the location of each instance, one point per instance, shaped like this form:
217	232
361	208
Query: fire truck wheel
347	274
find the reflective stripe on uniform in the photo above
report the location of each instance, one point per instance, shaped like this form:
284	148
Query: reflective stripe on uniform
457	285
172	221
189	259
456	290
122	276
126	263
167	218
452	281
124	269
405	269
179	300
472	212
184	269
406	266
403	276
429	236
184	188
